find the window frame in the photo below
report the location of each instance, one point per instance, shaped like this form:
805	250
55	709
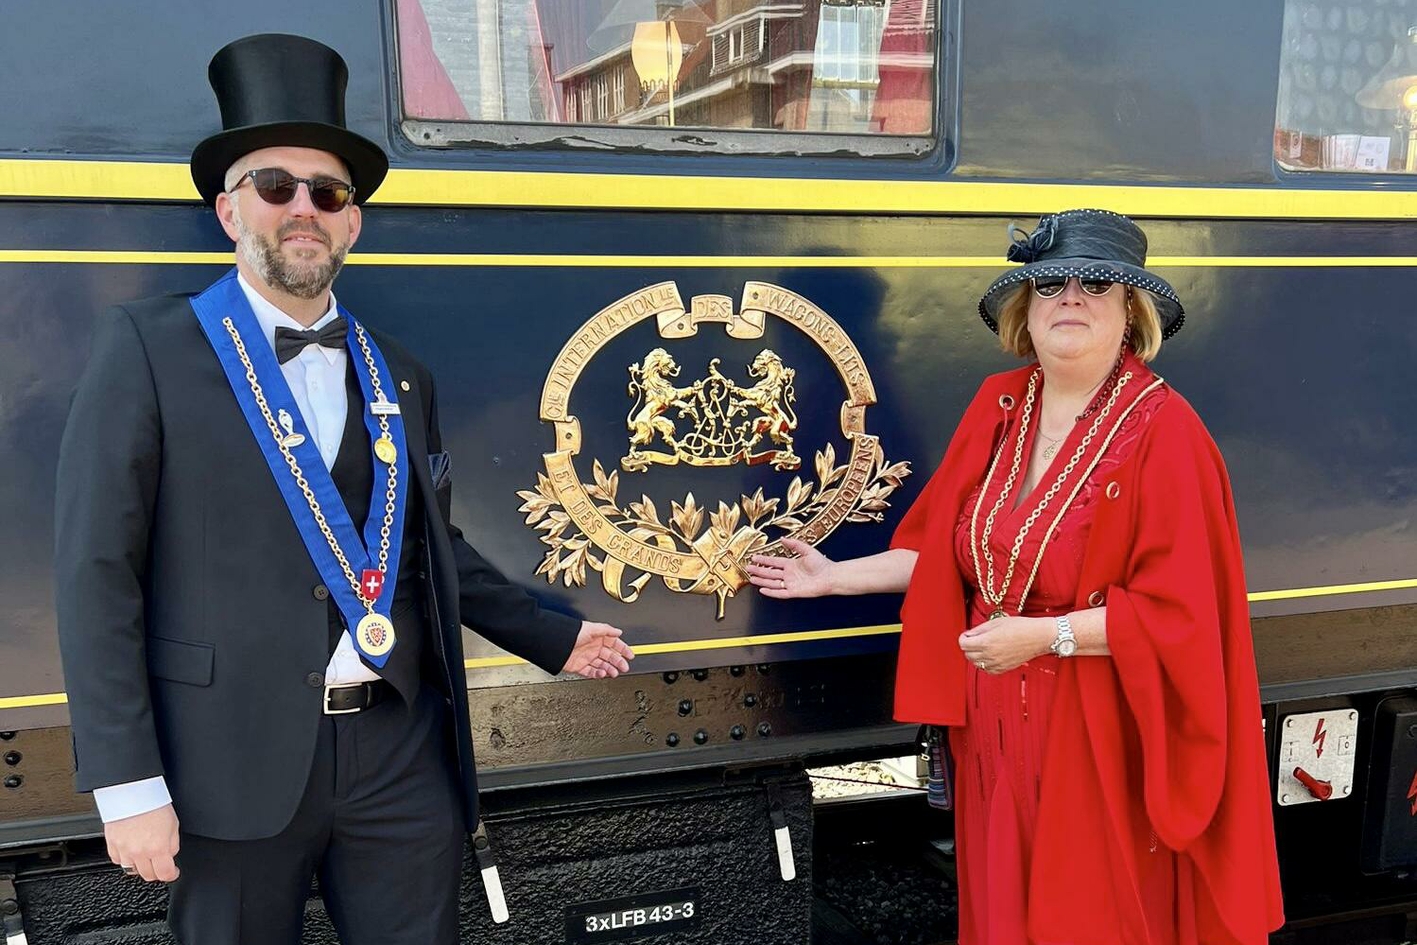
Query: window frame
423	135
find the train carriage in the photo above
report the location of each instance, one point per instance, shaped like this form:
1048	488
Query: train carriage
696	274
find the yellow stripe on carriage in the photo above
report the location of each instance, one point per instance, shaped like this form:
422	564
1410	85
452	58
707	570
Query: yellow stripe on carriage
805	636
43	178
661	261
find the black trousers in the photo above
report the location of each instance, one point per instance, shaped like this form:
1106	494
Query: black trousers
380	824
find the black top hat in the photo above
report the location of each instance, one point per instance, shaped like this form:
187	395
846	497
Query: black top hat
282	91
1088	244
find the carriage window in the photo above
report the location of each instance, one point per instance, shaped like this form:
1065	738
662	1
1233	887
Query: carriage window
823	67
1348	87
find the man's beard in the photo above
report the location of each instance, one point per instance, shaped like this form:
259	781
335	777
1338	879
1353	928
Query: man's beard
304	280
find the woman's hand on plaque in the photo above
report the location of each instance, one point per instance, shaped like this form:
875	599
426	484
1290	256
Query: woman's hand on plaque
806	574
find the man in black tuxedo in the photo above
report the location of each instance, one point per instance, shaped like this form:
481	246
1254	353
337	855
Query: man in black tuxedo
260	592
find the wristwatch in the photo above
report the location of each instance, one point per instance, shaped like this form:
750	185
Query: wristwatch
1065	644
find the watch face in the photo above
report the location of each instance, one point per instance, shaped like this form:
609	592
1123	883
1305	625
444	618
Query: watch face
1067	647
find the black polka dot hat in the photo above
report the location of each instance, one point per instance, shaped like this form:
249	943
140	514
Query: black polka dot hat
1088	244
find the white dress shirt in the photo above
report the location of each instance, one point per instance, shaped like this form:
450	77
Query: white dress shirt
316	378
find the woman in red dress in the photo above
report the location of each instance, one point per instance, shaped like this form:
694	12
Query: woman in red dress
1075	613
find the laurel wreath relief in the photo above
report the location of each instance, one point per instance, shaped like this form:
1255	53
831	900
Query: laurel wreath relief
572	553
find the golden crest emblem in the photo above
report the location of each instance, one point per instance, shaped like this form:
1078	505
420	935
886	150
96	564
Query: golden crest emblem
728	422
713	421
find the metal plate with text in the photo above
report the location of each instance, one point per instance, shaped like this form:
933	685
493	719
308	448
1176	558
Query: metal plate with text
613	920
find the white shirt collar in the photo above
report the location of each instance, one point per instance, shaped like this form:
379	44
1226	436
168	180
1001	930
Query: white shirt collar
272	318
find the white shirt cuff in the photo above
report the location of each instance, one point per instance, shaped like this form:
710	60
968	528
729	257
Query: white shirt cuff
118	801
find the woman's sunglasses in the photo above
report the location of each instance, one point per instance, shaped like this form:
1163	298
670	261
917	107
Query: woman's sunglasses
1052	286
275	186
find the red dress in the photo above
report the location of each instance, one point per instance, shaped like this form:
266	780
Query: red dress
999	750
1159	747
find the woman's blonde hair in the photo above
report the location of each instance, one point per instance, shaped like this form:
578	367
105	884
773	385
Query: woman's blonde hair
1141	314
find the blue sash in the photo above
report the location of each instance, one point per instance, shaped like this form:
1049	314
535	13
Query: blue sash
225	299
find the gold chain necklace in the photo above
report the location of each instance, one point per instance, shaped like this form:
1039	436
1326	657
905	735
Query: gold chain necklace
1077	487
375	630
995	599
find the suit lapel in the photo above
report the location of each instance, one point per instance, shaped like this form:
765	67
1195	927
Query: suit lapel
415	427
442	571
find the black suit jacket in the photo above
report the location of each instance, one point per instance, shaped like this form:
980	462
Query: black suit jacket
193	640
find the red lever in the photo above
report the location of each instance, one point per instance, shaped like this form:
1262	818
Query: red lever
1323	790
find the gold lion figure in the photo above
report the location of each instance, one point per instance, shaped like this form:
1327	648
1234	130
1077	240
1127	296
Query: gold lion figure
728	421
655	394
772	397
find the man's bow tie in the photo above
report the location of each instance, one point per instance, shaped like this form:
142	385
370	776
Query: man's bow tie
290	342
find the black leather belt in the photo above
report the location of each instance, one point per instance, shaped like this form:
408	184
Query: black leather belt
356	697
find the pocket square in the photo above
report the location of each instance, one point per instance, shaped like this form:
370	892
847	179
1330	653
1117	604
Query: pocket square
441	468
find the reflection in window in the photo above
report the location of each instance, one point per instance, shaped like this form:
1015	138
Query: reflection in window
1348	86
837	66
846	68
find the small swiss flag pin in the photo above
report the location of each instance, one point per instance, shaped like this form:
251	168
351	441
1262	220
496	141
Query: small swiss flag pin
372	584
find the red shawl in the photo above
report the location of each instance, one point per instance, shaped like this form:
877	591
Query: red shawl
1163	738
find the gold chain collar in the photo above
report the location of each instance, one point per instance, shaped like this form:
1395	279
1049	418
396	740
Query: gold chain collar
390	495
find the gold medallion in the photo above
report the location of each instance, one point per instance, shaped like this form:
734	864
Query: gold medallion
997	615
375	634
385	449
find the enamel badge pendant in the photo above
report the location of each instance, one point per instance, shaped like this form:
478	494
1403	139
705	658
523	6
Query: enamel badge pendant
371	584
997	615
375	634
385	449
291	439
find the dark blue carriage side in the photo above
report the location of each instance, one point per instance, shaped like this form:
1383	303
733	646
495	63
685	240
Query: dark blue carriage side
1299	367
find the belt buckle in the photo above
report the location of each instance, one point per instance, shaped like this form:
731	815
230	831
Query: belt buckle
331	688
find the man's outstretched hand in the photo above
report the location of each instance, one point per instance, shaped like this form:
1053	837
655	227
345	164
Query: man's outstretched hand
599	652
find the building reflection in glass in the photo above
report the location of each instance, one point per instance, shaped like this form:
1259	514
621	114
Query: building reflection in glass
858	67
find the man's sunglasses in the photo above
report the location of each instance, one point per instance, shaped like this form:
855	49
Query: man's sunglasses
1051	286
273	185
